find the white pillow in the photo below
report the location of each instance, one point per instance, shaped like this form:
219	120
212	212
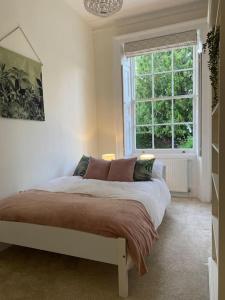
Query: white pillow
159	170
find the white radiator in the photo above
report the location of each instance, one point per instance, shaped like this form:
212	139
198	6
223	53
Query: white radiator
177	174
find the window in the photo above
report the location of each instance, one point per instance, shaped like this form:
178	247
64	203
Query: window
163	99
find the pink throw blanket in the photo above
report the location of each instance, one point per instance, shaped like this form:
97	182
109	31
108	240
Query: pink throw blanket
111	218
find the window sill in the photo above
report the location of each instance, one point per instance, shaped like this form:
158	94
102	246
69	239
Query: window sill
169	154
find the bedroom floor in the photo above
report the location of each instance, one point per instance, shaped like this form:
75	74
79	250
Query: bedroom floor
177	267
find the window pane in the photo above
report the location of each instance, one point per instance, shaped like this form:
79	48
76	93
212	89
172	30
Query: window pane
143	137
143	113
163	85
183	110
183	83
162	111
143	64
183	136
143	87
162	61
183	58
163	137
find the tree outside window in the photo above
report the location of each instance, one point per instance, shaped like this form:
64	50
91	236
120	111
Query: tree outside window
163	94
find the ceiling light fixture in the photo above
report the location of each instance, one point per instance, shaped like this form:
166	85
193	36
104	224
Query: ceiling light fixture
103	8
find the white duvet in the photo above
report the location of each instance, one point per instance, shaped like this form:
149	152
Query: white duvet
154	195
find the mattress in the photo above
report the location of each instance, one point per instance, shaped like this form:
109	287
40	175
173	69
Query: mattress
154	195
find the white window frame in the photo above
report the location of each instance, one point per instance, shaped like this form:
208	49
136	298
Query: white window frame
194	96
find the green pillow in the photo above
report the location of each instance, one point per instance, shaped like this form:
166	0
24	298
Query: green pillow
143	170
82	166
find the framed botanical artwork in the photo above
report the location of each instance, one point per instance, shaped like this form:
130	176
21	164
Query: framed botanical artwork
21	91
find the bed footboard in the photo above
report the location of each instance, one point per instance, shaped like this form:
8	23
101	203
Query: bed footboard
69	242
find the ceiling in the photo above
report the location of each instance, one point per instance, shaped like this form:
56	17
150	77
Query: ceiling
130	8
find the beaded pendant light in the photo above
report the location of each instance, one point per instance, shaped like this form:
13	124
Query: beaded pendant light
103	8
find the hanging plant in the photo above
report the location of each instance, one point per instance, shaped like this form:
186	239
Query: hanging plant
213	43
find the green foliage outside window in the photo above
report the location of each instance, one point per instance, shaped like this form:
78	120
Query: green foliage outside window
163	137
183	83
144	137
163	111
164	123
143	113
166	57
183	110
143	87
163	85
143	64
183	58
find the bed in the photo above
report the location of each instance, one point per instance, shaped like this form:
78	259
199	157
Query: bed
150	198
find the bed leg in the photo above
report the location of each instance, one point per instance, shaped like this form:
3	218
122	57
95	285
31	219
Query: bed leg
122	268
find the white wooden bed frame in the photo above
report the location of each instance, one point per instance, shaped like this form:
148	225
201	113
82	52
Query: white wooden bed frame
70	242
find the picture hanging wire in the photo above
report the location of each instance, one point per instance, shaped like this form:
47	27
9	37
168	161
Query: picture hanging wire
26	38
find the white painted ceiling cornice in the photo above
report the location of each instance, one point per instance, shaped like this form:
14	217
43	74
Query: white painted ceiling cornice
133	9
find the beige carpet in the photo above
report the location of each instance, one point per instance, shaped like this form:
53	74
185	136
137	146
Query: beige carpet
177	266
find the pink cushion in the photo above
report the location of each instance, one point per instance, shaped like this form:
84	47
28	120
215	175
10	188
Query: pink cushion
97	169
122	170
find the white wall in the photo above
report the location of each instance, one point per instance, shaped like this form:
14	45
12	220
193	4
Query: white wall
109	86
33	152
